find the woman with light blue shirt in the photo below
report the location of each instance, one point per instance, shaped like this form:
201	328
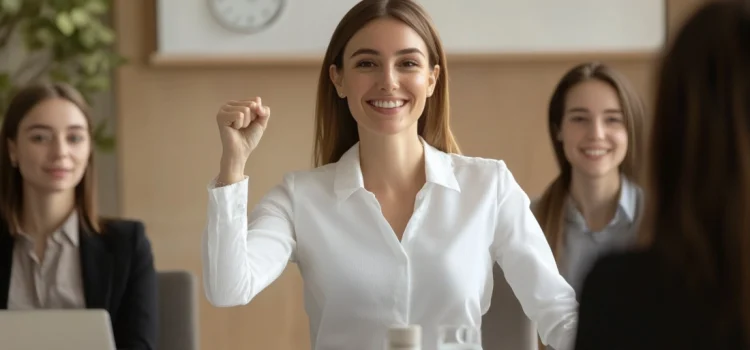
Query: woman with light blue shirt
592	207
393	226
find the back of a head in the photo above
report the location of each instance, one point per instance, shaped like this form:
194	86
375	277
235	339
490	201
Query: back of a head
698	211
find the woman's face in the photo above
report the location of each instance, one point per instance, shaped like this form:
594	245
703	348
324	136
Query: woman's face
386	77
593	131
52	147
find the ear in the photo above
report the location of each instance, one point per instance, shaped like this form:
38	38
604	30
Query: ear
433	79
336	79
13	153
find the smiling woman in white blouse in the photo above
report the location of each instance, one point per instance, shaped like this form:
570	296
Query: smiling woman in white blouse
393	226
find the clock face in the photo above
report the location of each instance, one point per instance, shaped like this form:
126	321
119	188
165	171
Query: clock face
246	16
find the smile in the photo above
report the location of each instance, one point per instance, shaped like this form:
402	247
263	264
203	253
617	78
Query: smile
387	104
595	152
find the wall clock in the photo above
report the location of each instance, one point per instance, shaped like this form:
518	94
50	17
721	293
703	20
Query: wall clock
246	16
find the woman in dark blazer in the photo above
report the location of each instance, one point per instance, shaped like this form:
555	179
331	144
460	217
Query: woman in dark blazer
55	251
689	286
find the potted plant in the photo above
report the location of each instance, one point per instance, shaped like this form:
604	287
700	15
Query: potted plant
58	40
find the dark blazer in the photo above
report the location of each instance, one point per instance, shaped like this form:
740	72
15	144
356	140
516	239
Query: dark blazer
118	274
633	301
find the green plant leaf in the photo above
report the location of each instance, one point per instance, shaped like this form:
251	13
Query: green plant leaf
10	7
80	17
29	29
106	36
96	83
59	73
65	24
92	62
45	37
96	7
105	144
88	38
5	83
7	90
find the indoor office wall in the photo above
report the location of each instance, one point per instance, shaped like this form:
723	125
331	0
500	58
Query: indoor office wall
168	149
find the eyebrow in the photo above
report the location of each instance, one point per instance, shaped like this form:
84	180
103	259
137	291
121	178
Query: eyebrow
47	127
585	110
375	52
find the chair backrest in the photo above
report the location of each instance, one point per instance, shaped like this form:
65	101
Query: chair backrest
178	311
505	325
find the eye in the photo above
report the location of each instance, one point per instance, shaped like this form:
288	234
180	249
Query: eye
410	63
578	118
76	138
39	138
614	119
365	64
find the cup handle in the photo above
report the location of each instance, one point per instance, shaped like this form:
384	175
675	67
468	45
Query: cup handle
461	334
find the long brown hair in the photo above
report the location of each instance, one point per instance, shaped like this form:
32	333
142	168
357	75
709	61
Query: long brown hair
11	184
549	209
335	128
698	204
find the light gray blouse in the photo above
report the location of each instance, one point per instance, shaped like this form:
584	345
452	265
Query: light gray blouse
584	246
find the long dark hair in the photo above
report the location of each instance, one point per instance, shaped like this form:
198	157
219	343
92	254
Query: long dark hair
698	202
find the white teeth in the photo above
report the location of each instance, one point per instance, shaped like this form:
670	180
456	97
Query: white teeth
388	104
595	152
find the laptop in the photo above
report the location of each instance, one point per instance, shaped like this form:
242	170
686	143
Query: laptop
68	329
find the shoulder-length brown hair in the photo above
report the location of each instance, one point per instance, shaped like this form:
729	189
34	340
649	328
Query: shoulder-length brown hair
549	210
335	128
11	184
698	176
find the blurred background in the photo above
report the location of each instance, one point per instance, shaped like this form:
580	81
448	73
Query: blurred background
156	72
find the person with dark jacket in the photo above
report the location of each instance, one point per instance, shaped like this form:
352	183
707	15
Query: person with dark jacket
55	251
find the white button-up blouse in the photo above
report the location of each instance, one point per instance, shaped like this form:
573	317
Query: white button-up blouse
359	278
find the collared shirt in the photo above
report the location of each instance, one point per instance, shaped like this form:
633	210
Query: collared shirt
53	283
584	246
360	279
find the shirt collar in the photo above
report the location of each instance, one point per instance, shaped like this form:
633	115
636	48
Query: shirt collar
68	230
628	199
627	203
438	170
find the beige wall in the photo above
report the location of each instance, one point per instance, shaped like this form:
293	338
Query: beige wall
169	149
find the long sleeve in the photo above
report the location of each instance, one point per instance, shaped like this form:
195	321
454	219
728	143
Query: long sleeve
522	252
244	253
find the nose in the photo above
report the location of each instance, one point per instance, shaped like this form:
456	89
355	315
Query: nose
389	79
59	147
598	129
